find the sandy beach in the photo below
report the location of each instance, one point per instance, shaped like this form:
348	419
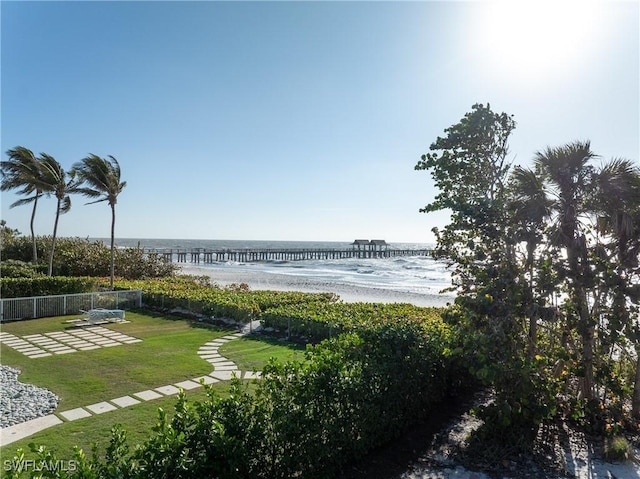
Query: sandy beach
260	280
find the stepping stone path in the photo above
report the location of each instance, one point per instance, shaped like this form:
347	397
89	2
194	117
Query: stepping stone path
223	370
65	342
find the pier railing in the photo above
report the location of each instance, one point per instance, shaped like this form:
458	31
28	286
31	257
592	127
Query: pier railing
204	255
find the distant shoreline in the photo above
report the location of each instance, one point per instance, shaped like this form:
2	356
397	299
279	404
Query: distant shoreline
258	280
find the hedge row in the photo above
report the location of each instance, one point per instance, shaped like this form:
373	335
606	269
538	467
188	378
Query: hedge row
314	315
195	295
320	320
45	286
304	419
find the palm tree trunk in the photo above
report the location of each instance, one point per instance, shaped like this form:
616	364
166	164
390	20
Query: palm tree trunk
587	332
113	236
531	307
53	240
33	235
533	336
588	340
635	401
575	251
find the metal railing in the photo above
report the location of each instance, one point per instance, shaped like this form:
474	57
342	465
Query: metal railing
15	309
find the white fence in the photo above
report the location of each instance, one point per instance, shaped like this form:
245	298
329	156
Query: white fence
13	309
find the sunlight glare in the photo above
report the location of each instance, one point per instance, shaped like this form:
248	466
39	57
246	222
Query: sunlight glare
534	41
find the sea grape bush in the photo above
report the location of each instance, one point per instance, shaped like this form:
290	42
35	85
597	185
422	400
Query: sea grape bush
83	257
305	418
320	320
187	295
197	296
313	315
14	268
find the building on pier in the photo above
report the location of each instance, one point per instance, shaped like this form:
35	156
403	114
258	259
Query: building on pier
370	248
370	245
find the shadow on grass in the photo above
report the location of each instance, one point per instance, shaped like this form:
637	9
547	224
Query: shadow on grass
276	341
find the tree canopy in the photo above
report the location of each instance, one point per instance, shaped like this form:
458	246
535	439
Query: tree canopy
545	260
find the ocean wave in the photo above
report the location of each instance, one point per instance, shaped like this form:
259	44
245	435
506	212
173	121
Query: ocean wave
413	274
366	271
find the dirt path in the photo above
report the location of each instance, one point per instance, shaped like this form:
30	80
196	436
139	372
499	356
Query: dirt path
437	449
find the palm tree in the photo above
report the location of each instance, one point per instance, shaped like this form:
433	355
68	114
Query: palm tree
102	177
56	181
530	209
22	171
617	203
566	174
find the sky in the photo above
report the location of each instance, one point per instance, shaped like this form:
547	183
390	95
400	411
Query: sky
299	120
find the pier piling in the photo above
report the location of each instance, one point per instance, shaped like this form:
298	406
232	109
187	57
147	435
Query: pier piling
204	255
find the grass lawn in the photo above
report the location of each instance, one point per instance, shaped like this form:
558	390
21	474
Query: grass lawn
167	354
138	420
253	352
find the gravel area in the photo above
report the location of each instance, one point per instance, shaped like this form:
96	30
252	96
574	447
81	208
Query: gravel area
21	402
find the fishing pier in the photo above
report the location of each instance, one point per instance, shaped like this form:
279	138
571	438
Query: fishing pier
359	249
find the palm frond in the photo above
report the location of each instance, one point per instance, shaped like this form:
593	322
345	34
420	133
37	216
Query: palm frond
24	201
65	205
530	200
88	192
21	171
618	198
101	177
563	163
97	201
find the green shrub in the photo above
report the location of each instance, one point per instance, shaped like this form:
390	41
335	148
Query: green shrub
304	418
616	448
352	393
82	257
322	319
308	418
45	286
14	268
195	295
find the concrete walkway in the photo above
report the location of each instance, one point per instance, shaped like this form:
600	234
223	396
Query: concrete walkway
223	370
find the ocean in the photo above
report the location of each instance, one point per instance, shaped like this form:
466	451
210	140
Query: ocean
418	275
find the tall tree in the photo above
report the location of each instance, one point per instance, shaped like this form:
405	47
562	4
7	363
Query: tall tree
567	174
22	171
529	209
56	181
469	167
617	204
563	233
100	178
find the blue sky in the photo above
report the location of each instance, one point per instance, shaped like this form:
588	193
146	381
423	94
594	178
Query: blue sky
299	120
